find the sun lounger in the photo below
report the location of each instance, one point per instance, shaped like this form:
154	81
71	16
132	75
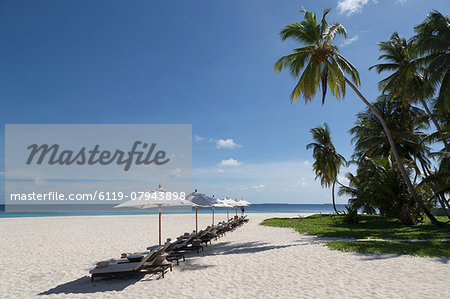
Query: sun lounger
130	268
159	264
189	244
209	235
224	228
171	254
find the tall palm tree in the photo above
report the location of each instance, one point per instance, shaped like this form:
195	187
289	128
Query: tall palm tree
405	122
433	40
406	81
361	195
379	185
323	67
328	161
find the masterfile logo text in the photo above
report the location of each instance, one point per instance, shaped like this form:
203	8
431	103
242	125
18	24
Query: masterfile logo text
94	164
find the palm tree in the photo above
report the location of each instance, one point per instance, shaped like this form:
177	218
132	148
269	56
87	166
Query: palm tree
323	67
328	161
361	195
378	184
406	81
405	122
433	40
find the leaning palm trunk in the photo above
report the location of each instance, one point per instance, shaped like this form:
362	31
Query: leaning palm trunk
396	157
332	193
443	203
440	197
436	124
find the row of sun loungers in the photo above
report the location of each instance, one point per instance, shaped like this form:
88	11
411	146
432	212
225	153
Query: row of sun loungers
160	258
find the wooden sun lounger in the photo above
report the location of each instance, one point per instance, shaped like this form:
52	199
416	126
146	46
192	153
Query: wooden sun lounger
132	268
159	264
208	236
188	244
171	254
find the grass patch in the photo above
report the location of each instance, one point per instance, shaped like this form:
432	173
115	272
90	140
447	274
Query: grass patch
372	227
421	249
377	227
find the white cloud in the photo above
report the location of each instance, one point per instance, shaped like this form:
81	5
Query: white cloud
350	7
198	138
302	182
349	41
220	143
220	170
282	181
176	173
258	188
229	162
226	143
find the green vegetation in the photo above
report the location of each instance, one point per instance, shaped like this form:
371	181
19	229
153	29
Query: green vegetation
369	226
372	227
421	249
328	161
398	173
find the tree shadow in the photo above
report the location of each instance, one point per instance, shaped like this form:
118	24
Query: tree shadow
190	265
225	248
372	257
412	249
384	256
370	250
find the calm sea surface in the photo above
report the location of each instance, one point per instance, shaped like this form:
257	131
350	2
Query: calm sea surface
255	208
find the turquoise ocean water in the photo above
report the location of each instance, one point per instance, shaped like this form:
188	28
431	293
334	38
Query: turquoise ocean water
255	208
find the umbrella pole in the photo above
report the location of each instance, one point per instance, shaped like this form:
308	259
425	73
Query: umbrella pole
227	215
213	217
236	211
196	223
159	225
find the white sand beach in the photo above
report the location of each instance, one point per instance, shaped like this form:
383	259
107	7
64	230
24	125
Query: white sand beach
52	256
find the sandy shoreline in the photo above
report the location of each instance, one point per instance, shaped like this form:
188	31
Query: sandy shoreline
52	256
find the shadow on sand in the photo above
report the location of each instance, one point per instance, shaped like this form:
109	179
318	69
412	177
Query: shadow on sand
224	248
191	265
371	257
83	285
367	256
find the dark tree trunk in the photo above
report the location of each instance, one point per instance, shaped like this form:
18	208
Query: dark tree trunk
332	194
436	124
439	197
406	178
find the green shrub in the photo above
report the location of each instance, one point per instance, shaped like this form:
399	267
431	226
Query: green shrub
351	216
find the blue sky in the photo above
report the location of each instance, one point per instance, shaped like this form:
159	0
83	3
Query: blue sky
205	63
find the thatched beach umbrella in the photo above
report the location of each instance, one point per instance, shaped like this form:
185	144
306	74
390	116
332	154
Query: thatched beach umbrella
155	198
216	200
243	203
221	204
229	203
199	200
